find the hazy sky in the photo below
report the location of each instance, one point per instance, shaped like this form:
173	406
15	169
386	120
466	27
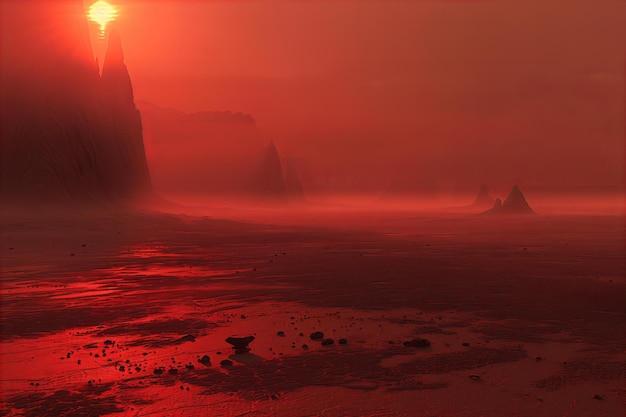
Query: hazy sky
540	79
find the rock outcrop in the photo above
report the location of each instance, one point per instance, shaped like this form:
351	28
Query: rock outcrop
268	183
515	204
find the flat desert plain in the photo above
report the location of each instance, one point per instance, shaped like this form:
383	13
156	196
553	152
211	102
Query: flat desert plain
127	314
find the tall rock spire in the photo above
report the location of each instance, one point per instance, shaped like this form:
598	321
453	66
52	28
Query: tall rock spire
131	167
67	135
115	76
269	183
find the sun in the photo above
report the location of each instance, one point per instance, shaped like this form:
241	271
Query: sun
102	13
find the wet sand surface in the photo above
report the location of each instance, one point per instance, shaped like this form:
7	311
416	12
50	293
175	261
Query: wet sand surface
421	316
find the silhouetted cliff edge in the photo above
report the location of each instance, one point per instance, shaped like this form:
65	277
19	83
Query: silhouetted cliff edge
68	135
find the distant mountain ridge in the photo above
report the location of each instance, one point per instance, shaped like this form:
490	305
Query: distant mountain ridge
220	154
209	116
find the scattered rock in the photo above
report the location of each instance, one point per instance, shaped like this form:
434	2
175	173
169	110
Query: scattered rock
158	371
538	359
317	336
598	397
343	342
190	367
187	338
240	344
417	343
305	347
475	377
465	344
205	360
226	363
280	334
327	342
173	371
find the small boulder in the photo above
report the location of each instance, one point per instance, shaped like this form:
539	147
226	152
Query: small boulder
317	336
240	344
417	343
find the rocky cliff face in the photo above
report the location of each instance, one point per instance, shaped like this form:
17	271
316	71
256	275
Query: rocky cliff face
68	135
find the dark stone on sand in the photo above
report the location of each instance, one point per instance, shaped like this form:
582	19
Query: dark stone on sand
190	367
108	342
538	359
173	371
305	347
465	344
327	342
226	363
205	360
417	343
317	336
240	344
598	397
158	371
187	338
122	368
343	342
475	377
280	334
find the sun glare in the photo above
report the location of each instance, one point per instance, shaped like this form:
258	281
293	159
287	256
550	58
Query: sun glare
102	13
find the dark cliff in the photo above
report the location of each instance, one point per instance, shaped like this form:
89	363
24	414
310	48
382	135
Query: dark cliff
68	135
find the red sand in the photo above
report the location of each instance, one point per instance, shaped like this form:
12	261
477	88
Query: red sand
525	316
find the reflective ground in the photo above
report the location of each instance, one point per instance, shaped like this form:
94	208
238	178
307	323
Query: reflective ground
113	314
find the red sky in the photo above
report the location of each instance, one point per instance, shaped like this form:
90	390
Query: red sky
532	88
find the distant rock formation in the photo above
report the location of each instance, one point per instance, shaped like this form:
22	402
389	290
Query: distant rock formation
484	198
293	183
68	135
219	154
268	183
515	203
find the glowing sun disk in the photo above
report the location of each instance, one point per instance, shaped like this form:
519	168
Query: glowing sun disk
102	13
